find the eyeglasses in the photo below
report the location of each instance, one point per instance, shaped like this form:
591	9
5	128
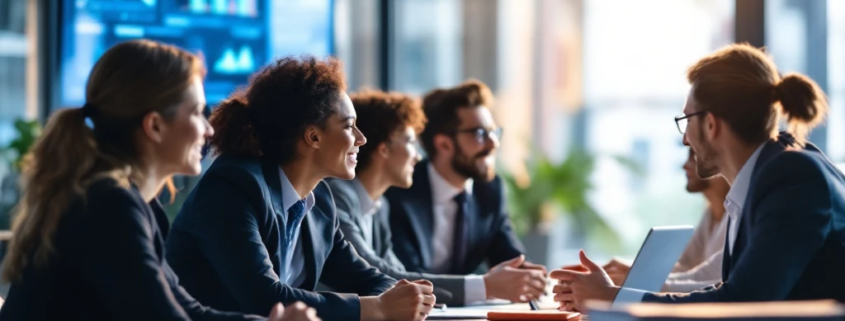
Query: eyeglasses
682	120
481	133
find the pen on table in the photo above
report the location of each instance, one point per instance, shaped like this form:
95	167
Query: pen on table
534	305
440	306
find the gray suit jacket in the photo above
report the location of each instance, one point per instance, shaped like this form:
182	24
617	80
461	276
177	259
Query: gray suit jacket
380	253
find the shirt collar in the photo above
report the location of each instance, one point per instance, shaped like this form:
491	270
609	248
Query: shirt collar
368	206
739	188
289	195
441	190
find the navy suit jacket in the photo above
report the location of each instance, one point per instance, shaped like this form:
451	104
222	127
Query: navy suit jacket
490	235
109	266
225	245
791	239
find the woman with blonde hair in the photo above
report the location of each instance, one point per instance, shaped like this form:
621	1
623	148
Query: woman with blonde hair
89	233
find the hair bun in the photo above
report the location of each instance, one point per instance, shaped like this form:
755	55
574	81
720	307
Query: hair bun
233	127
801	98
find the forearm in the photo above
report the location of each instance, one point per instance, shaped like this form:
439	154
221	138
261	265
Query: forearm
371	309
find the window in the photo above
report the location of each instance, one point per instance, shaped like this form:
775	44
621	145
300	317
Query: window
13	63
14	77
636	55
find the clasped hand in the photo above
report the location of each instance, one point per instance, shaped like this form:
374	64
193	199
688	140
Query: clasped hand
580	283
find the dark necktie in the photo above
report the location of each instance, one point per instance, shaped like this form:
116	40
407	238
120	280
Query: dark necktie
295	215
460	237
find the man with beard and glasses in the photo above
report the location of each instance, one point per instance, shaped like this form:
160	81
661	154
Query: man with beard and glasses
454	218
785	207
700	264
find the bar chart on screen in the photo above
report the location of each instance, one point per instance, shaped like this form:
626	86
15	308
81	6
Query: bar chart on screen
231	62
238	8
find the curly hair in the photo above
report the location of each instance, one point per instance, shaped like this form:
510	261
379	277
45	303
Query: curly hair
269	115
381	114
441	108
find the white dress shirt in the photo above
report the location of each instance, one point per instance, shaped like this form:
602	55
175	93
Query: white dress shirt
294	269
700	264
369	208
737	194
445	209
734	202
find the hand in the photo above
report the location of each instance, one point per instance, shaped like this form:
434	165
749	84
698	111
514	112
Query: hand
531	266
617	270
516	280
295	312
407	301
576	288
575	267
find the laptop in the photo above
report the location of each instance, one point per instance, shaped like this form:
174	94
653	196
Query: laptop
657	256
661	249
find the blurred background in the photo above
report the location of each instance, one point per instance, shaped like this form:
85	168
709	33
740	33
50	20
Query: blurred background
586	89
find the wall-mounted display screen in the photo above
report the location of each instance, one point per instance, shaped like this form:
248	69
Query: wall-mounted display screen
233	37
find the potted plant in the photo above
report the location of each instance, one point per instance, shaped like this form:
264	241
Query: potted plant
547	189
27	131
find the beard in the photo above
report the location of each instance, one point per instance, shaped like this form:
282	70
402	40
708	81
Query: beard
705	159
465	165
697	184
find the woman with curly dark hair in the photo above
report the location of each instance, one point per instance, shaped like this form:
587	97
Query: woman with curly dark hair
261	226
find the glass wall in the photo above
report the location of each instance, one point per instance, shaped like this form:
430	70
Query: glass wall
595	74
809	37
836	80
426	54
634	84
14	57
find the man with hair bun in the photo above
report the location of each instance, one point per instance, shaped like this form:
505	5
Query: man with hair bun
785	207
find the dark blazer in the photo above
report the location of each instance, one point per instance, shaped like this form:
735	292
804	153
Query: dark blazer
490	235
791	239
109	265
380	253
225	244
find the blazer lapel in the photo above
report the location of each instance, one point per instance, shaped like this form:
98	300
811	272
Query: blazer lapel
272	178
379	226
726	256
771	149
310	239
274	184
421	213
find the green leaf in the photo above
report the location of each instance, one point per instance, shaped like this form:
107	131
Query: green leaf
566	183
27	132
